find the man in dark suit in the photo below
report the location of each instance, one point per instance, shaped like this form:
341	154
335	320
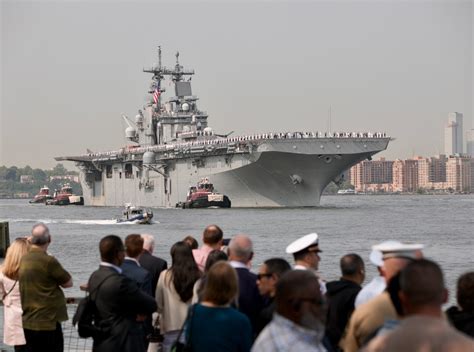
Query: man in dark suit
121	304
131	267
240	256
151	263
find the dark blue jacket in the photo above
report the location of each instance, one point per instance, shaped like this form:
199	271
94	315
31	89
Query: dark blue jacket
250	300
141	276
154	265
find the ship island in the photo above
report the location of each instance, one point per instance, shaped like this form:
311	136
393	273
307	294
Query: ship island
172	148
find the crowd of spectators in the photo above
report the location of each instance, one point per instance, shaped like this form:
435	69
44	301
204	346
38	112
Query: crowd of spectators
210	300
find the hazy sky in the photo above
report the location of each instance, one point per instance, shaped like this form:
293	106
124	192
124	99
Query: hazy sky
69	69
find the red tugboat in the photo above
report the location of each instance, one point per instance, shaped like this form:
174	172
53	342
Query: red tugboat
203	196
42	196
65	197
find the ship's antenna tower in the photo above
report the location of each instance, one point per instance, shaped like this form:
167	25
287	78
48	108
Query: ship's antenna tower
329	119
159	57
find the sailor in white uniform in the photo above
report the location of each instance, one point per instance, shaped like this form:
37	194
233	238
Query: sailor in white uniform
377	285
306	251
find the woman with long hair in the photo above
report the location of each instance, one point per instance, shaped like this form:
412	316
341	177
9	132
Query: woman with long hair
174	292
10	294
213	325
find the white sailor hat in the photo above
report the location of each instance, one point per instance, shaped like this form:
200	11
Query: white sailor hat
376	258
304	242
395	249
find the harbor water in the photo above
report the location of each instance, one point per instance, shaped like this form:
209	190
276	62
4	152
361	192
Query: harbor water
345	224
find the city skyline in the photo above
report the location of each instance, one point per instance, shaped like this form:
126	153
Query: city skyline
69	70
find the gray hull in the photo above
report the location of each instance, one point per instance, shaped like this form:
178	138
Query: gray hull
279	173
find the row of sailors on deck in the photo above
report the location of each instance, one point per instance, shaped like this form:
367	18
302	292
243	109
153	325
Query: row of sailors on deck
286	135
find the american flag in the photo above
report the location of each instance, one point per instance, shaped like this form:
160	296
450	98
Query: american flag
156	94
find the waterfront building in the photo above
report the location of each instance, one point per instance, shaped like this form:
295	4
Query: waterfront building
453	134
432	172
405	175
458	173
371	176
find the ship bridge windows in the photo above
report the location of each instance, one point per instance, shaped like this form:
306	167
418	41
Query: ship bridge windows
108	171
128	171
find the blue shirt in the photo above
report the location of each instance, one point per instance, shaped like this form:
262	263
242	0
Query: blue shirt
283	335
219	329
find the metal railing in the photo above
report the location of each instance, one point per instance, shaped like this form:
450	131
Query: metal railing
72	341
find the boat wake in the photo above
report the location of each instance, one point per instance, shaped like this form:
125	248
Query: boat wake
79	222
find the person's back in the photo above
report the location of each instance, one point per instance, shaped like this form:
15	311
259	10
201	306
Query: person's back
120	303
423	327
462	316
221	330
214	326
131	267
212	239
148	261
13	334
341	295
250	302
41	277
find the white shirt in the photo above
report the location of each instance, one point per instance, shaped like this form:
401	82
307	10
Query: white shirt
110	265
369	291
236	264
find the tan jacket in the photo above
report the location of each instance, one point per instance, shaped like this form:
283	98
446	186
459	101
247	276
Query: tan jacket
423	334
367	318
171	309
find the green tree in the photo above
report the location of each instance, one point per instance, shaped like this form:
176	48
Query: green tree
12	174
59	170
27	170
39	175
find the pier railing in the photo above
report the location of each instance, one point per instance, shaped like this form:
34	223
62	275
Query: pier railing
72	341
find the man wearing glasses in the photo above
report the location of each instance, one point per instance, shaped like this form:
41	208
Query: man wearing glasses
268	275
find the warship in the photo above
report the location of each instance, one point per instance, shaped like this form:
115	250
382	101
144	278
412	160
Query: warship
172	147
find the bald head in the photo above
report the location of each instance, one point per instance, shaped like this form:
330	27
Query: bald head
241	249
148	243
40	235
212	236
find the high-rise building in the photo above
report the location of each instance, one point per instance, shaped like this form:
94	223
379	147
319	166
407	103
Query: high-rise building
453	134
470	143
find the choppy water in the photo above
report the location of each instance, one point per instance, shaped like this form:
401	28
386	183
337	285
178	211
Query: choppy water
345	224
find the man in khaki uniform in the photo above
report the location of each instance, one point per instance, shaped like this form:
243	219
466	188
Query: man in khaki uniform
422	294
370	316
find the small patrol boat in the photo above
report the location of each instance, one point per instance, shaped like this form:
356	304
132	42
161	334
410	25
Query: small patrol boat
346	191
65	197
136	215
204	196
42	196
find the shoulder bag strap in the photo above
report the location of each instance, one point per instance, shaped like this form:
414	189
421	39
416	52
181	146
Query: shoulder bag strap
100	284
6	294
188	319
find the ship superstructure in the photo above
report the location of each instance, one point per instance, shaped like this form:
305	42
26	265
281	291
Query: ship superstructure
173	148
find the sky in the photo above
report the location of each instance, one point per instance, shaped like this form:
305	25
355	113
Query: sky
69	69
